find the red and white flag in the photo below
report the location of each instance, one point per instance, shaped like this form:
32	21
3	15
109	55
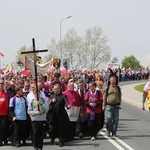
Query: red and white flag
1	54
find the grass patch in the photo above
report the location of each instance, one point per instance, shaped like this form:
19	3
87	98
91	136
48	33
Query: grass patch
139	87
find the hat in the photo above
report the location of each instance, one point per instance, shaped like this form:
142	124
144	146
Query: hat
69	83
57	75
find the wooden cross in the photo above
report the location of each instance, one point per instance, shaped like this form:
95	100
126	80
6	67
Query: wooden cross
35	63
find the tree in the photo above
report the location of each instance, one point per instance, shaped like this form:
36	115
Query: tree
54	48
97	50
70	45
90	51
130	62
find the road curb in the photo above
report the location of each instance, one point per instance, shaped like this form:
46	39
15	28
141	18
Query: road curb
127	98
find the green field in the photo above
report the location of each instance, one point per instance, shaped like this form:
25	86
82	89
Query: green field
140	87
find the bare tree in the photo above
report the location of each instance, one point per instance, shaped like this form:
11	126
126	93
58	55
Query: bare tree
95	45
53	48
71	44
90	51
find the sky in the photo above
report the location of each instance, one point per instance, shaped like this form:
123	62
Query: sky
126	23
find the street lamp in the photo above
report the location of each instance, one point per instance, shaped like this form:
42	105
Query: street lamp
60	37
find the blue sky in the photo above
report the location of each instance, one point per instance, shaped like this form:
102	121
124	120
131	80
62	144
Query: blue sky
126	23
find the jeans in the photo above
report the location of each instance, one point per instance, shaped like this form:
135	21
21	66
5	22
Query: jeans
112	118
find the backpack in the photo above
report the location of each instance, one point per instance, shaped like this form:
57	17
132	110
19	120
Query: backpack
119	90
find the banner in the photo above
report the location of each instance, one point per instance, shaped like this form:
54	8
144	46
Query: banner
41	68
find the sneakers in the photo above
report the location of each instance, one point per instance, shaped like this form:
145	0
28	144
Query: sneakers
108	134
114	134
92	138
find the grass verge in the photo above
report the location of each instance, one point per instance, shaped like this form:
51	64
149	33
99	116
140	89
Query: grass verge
139	87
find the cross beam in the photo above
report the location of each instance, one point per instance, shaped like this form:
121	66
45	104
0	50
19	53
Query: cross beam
36	51
35	64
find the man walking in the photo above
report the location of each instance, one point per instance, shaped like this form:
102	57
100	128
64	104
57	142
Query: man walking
111	105
57	117
93	101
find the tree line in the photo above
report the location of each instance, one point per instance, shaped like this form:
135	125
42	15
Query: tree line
89	51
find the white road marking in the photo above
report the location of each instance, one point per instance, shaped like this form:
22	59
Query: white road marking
123	143
112	141
119	147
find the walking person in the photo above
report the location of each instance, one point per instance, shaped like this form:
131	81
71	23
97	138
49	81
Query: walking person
75	101
18	112
93	100
82	127
38	116
57	117
111	105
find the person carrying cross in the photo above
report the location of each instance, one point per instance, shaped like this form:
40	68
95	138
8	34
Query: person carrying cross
37	109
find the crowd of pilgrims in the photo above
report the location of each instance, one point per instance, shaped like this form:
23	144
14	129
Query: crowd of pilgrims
61	107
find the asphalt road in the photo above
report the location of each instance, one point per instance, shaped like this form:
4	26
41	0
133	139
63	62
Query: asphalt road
133	134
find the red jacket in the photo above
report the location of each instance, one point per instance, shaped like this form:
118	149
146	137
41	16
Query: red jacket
4	104
99	99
